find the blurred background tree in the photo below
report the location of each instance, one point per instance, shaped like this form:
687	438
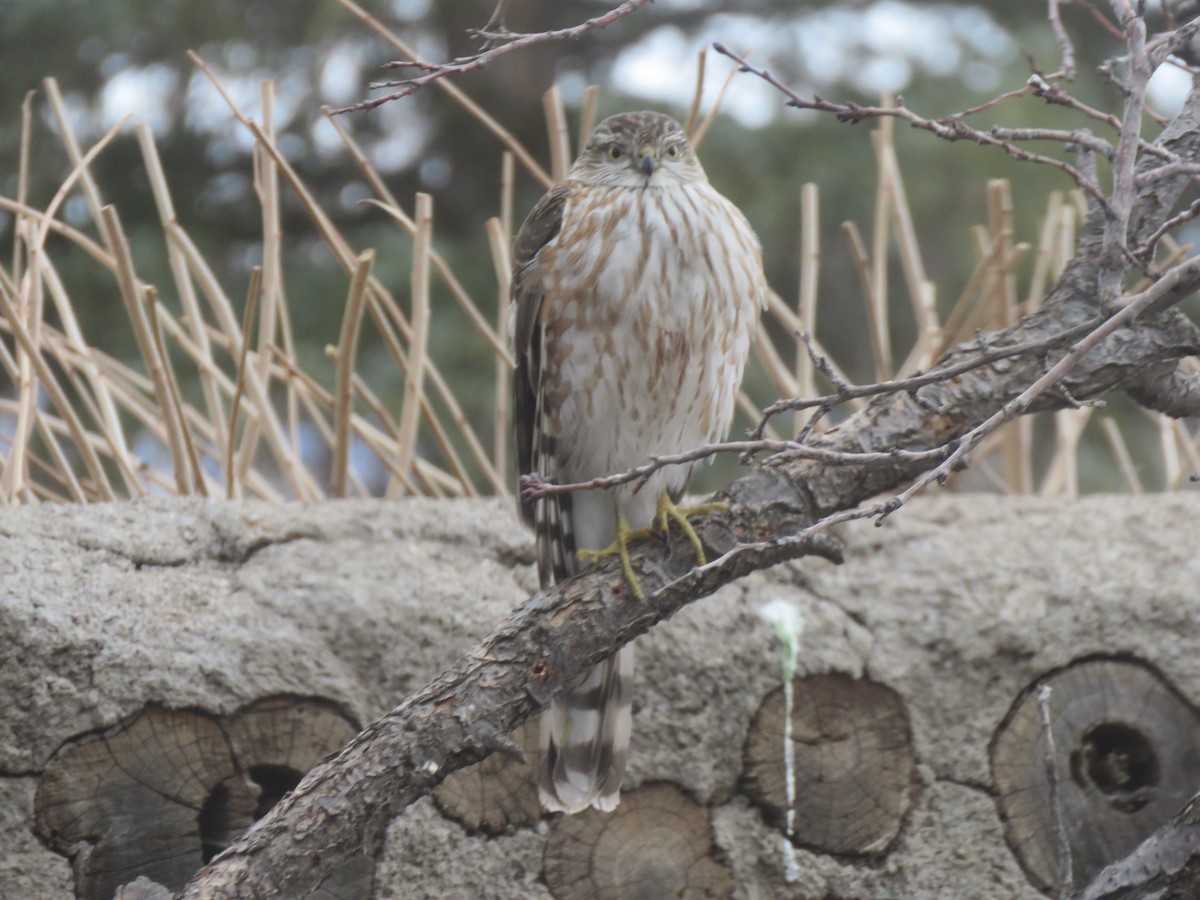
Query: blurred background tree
129	56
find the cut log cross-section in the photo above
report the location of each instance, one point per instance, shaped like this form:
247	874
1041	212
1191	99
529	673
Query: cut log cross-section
658	843
854	763
1127	749
498	794
157	795
125	803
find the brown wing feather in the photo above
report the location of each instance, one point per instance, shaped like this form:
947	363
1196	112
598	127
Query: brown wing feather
541	227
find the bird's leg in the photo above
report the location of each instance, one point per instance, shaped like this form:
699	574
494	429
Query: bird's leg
667	510
620	546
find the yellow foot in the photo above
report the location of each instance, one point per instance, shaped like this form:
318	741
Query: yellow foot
620	547
667	510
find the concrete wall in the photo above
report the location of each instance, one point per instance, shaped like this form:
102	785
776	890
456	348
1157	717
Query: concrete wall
956	605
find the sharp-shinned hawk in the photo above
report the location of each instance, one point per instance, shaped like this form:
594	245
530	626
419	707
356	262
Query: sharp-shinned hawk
637	287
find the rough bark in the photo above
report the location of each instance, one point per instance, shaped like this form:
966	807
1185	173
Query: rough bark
1165	866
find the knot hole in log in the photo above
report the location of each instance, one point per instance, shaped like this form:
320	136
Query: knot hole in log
1120	762
1127	757
222	819
164	791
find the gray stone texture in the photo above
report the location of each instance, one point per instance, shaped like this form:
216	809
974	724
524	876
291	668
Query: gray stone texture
956	603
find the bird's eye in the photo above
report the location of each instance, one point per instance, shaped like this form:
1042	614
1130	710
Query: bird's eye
615	151
673	152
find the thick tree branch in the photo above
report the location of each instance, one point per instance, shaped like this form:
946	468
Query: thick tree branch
1166	864
1174	393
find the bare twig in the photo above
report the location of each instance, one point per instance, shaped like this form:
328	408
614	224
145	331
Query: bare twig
500	42
949	128
845	392
1146	251
1064	41
1124	190
534	486
1182	277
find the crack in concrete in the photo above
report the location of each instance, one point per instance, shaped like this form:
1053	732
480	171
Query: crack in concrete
978	787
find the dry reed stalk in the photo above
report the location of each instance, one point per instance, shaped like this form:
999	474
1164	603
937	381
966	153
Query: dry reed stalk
29	299
782	378
1188	443
976	292
498	242
232	480
469	306
58	400
587	120
361	162
988	297
693	117
14	478
347	357
184	287
877	324
1062	475
299	480
1000	224
71	144
880	235
806	304
1169	449
507	194
1120	449
13	489
556	127
697	136
1064	240
391	340
266	188
922	292
911	263
80	370
390	205
419	342
1045	253
382	304
1018	436
20	222
790	321
199	483
132	294
283	368
381	443
380	298
60	472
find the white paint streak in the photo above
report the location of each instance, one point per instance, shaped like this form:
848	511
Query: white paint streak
788	624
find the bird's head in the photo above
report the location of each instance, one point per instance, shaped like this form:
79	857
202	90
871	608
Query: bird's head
636	150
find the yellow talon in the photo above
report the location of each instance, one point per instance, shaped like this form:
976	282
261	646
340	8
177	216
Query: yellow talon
667	510
620	546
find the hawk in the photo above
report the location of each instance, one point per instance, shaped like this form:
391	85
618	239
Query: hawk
637	287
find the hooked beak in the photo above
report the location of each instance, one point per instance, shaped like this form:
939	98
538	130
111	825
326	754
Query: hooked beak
647	161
